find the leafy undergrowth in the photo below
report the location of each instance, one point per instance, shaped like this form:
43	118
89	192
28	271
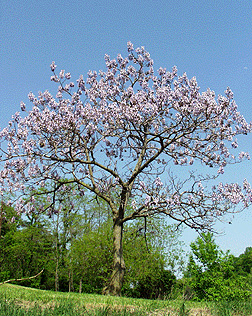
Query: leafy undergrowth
21	301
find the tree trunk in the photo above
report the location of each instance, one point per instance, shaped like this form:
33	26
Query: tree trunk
80	285
69	281
116	280
57	255
1	217
56	278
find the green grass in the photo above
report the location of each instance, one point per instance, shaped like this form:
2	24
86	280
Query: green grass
239	308
33	298
21	301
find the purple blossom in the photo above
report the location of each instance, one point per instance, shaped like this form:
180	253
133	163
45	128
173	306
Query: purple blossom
158	182
68	76
22	106
130	47
62	74
54	78
53	66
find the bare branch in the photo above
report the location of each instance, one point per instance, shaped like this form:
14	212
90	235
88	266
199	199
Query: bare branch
23	279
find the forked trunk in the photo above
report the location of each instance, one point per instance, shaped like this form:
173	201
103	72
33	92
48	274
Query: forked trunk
116	280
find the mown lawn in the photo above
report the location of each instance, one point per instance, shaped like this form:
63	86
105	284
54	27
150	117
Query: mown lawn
21	301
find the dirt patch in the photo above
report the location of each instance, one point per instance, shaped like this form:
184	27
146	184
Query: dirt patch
173	312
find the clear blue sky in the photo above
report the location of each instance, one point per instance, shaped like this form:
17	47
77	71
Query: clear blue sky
211	40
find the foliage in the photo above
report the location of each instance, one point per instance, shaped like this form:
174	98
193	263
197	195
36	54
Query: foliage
243	264
92	258
148	256
211	273
157	285
26	250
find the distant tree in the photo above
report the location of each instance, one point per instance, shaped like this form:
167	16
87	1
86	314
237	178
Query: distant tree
8	229
67	223
116	135
243	266
26	249
243	263
157	285
8	222
92	258
150	257
211	273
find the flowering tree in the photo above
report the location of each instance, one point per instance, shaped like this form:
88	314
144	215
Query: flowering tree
114	135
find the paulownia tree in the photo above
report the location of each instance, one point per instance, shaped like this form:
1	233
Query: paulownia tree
114	135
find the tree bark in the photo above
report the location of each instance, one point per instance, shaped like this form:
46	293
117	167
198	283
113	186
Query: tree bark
116	280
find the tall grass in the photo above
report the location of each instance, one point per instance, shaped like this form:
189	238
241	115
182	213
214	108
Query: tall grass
28	298
10	308
237	308
20	301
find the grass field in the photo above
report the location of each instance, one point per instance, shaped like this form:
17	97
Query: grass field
20	301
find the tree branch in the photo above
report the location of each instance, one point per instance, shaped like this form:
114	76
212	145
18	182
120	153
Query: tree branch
23	279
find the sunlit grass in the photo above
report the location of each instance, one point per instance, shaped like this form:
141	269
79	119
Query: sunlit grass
20	301
24	294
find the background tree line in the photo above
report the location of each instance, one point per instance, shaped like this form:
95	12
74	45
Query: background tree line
74	247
